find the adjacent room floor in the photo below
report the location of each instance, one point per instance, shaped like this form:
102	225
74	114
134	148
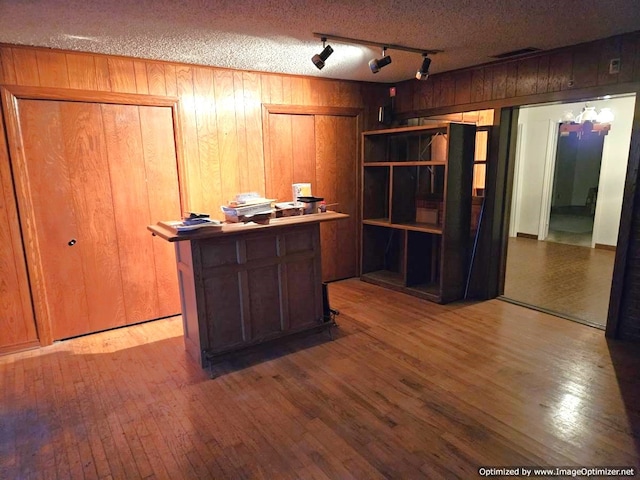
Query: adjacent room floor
572	280
406	389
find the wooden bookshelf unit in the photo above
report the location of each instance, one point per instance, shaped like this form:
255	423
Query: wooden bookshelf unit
416	208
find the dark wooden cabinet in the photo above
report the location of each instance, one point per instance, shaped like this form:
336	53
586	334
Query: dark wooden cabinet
248	284
416	209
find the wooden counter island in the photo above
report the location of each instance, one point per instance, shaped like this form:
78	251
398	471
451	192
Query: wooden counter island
248	283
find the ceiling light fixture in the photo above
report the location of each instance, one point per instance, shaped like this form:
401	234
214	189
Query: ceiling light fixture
319	59
423	71
375	64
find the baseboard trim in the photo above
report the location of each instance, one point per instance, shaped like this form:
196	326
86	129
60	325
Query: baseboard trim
19	347
526	235
602	246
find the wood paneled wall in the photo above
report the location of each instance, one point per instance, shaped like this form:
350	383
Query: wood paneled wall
221	109
527	80
220	114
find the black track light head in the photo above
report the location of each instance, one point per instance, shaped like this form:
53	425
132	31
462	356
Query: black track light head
423	72
319	59
375	64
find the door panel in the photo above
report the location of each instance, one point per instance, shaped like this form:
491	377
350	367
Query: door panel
321	150
54	217
336	173
131	208
162	175
86	159
98	174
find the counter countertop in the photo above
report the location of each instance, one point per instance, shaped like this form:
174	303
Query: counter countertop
235	228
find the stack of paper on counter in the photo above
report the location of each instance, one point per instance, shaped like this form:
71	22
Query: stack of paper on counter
188	225
247	205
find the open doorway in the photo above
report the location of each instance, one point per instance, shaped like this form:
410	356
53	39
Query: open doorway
567	198
575	187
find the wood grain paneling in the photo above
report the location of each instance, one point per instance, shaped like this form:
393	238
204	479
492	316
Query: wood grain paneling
321	150
103	78
424	94
279	169
8	73
170	80
463	88
253	181
303	151
336	162
477	85
542	84
227	136
131	206
159	151
447	91
527	80
122	75
560	70
82	72
499	85
142	84
156	78
346	158
25	64
56	268
585	66
206	170
190	137
85	153
18	324
52	69
512	80
326	186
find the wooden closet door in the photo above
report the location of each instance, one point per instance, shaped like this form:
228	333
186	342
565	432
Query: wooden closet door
89	206
336	179
321	150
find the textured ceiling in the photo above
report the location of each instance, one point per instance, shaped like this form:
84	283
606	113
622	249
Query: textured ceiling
276	35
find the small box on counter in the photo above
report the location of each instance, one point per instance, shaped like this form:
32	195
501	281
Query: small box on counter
287	209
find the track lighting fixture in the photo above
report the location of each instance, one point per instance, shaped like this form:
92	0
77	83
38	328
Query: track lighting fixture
423	71
375	64
319	59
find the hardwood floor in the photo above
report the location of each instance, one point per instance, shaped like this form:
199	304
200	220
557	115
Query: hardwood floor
407	389
574	281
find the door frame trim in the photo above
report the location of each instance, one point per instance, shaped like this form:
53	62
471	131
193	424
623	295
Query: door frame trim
9	97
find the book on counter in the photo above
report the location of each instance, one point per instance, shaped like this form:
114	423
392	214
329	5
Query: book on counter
191	224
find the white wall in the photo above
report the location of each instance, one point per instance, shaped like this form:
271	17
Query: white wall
534	124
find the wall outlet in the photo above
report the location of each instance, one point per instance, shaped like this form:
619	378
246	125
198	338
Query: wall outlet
614	66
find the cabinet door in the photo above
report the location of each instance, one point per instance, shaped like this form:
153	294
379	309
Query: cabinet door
86	189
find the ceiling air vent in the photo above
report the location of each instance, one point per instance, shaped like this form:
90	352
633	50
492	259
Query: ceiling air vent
516	53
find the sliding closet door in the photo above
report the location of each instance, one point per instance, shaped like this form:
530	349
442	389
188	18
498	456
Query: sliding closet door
321	150
91	177
336	174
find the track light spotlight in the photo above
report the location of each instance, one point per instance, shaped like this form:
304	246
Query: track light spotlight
375	64
319	59
423	72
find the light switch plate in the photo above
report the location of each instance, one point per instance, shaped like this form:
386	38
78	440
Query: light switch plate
614	66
